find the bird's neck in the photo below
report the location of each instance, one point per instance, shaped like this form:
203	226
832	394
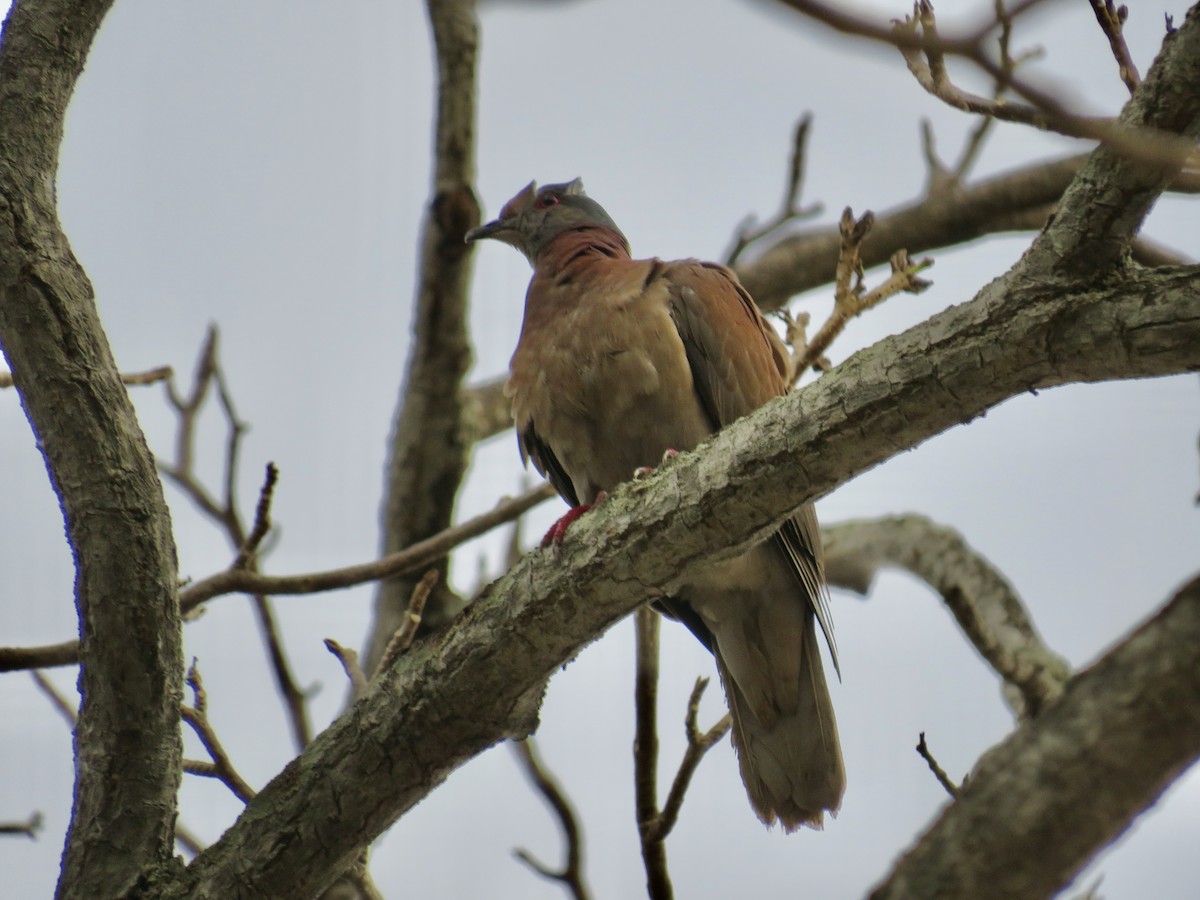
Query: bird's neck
581	247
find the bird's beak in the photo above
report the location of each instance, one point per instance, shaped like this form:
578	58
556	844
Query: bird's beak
490	230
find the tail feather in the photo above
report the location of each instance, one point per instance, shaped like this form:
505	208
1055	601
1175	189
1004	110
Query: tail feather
791	766
761	613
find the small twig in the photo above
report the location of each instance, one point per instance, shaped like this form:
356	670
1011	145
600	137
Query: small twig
262	520
943	779
69	711
849	299
655	825
188	841
698	743
1092	891
30	827
348	657
236	581
221	766
225	513
404	635
571	874
416	556
150	376
236	430
1112	22
790	210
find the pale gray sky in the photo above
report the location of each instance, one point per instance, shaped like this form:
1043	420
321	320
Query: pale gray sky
263	166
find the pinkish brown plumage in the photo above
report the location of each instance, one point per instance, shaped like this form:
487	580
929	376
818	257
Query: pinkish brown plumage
620	360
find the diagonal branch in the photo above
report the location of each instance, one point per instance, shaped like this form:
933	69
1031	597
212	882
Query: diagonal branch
240	580
983	603
478	682
1123	730
571	874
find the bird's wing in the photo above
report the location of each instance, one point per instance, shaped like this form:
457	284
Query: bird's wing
738	363
541	454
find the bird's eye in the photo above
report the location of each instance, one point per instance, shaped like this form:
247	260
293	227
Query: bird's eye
546	201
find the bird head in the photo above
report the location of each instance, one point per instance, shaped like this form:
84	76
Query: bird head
535	216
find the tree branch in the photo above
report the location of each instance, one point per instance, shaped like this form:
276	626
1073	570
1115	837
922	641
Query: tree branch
239	580
1123	730
116	517
571	874
428	453
480	681
645	755
983	603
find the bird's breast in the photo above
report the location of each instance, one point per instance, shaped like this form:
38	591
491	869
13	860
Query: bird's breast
606	384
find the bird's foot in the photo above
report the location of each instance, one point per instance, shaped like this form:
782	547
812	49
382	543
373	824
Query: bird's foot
558	530
643	471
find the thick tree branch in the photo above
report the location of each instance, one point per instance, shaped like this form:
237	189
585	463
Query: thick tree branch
428	454
117	521
1101	211
1123	730
983	603
804	261
464	689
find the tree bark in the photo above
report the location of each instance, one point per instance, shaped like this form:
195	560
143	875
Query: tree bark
429	450
127	742
1041	804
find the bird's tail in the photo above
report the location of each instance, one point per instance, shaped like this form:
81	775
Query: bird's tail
790	757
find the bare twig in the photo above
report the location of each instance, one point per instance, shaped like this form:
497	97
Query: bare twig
221	767
924	50
412	558
698	743
232	581
349	660
225	512
939	773
68	710
789	211
849	299
654	825
150	376
571	874
1112	22
30	827
262	520
404	635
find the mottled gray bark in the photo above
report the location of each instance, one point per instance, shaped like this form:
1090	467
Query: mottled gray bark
127	742
1041	804
429	450
984	604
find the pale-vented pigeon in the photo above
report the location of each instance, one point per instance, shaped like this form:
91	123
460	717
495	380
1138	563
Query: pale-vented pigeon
621	360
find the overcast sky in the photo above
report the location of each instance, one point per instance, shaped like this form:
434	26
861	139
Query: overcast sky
263	166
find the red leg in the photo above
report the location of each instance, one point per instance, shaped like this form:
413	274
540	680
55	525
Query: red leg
558	530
